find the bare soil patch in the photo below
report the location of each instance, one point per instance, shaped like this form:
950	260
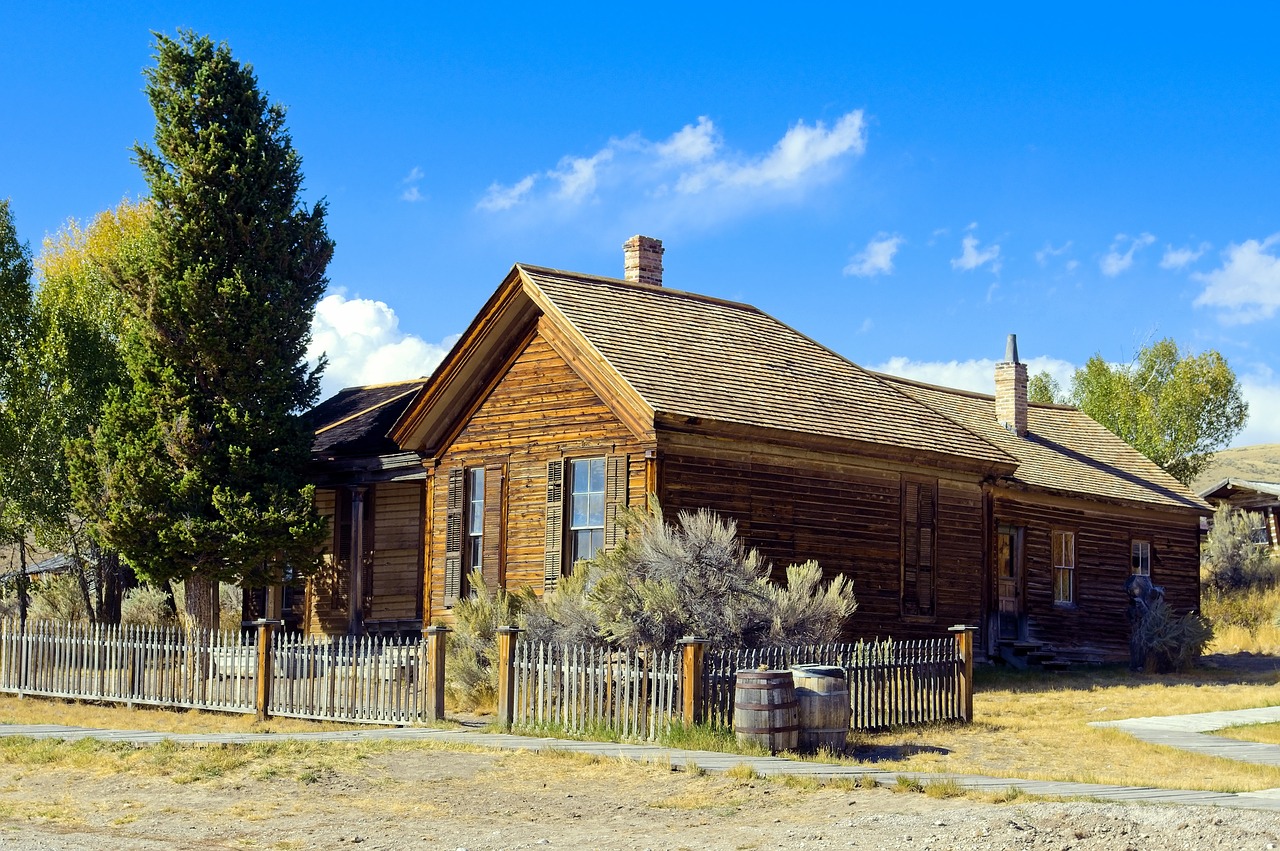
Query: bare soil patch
421	797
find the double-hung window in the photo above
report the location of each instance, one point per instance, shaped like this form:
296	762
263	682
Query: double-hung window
1064	568
1140	558
475	517
586	508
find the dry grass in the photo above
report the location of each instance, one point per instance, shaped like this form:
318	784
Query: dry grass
15	710
1035	726
1266	733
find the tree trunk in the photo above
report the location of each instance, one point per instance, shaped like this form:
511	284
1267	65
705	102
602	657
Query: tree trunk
82	575
115	581
201	602
24	581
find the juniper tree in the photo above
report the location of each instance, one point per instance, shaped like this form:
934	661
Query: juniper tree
196	472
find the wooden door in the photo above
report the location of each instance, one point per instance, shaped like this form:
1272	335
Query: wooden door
1011	608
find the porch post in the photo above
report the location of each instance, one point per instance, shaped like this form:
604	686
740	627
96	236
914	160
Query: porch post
435	672
355	606
964	650
507	675
691	675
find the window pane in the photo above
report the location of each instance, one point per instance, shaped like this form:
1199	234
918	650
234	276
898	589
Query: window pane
596	510
580	511
581	475
597	475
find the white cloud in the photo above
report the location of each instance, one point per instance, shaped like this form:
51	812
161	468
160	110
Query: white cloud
1180	258
1044	255
1247	285
577	176
971	257
1114	261
1261	389
411	192
364	344
876	258
690	170
691	144
499	197
977	375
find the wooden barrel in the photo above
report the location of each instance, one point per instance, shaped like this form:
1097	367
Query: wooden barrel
822	692
765	712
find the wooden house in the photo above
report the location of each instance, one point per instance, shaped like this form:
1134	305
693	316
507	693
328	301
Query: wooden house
571	395
1260	500
373	493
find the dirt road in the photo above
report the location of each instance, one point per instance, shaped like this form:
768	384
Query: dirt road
432	798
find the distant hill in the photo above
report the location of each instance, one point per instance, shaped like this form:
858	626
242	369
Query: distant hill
1260	463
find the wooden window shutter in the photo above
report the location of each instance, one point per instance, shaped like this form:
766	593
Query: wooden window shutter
553	557
919	521
925	532
494	508
453	537
616	472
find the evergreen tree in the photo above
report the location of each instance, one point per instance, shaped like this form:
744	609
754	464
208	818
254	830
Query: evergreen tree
196	470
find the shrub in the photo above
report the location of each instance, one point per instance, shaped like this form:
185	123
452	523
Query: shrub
147	605
1232	560
58	598
691	578
1171	643
471	677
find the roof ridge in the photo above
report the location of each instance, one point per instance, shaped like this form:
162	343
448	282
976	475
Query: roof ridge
959	391
422	379
656	289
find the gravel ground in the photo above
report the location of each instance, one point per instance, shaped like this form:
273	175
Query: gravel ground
453	800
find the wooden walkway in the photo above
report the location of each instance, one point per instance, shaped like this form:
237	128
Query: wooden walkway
1190	733
1268	799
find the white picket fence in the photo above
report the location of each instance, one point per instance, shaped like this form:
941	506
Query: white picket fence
582	688
364	679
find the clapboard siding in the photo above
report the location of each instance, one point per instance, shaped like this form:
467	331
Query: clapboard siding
538	410
842	511
397	556
1096	627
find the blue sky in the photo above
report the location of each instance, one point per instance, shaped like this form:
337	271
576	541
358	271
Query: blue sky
906	187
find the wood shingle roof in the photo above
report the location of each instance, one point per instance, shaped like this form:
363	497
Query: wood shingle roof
356	420
1064	450
689	355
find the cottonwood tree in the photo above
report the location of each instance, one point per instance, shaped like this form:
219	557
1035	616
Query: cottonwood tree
196	471
15	452
1172	406
74	347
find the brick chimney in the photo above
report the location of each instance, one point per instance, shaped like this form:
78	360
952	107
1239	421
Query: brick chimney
642	260
1011	390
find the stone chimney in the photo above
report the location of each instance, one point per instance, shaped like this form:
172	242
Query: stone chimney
642	260
1011	390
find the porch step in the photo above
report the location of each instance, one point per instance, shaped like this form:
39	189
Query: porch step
1027	654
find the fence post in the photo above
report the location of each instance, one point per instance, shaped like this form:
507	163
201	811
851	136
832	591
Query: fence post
265	669
507	675
964	649
691	686
435	672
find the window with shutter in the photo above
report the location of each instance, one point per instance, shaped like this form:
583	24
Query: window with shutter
919	537
553	557
453	537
